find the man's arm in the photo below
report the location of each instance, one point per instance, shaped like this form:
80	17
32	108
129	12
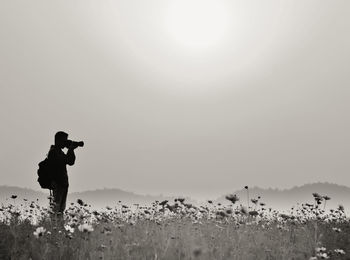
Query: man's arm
70	157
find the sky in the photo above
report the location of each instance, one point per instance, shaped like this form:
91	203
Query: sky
191	97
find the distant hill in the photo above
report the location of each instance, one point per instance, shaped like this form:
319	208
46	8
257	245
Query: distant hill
110	197
286	198
99	198
7	191
275	198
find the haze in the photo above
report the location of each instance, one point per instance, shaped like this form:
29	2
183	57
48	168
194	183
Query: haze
266	103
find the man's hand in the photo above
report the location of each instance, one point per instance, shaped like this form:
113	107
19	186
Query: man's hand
72	147
70	156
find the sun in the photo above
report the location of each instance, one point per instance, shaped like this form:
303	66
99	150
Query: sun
197	24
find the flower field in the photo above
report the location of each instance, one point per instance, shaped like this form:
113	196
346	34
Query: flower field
175	230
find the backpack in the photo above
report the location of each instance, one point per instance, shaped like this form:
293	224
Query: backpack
45	174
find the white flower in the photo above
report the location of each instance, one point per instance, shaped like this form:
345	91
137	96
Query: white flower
336	229
69	228
192	210
339	251
320	249
323	255
39	232
85	228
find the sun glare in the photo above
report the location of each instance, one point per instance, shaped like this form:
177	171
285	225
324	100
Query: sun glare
197	23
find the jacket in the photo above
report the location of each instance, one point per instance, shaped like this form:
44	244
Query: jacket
59	162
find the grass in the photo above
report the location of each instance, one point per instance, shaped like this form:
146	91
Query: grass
174	230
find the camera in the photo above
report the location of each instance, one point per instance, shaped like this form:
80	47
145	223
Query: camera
74	144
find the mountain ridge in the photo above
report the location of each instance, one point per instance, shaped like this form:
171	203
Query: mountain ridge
273	197
287	198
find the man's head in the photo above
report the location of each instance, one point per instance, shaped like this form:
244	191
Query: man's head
61	139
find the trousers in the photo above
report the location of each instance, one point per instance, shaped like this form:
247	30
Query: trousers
59	193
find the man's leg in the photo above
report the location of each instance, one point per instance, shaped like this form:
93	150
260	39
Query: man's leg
56	199
59	195
64	192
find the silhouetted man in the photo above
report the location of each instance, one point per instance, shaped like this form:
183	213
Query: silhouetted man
59	162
